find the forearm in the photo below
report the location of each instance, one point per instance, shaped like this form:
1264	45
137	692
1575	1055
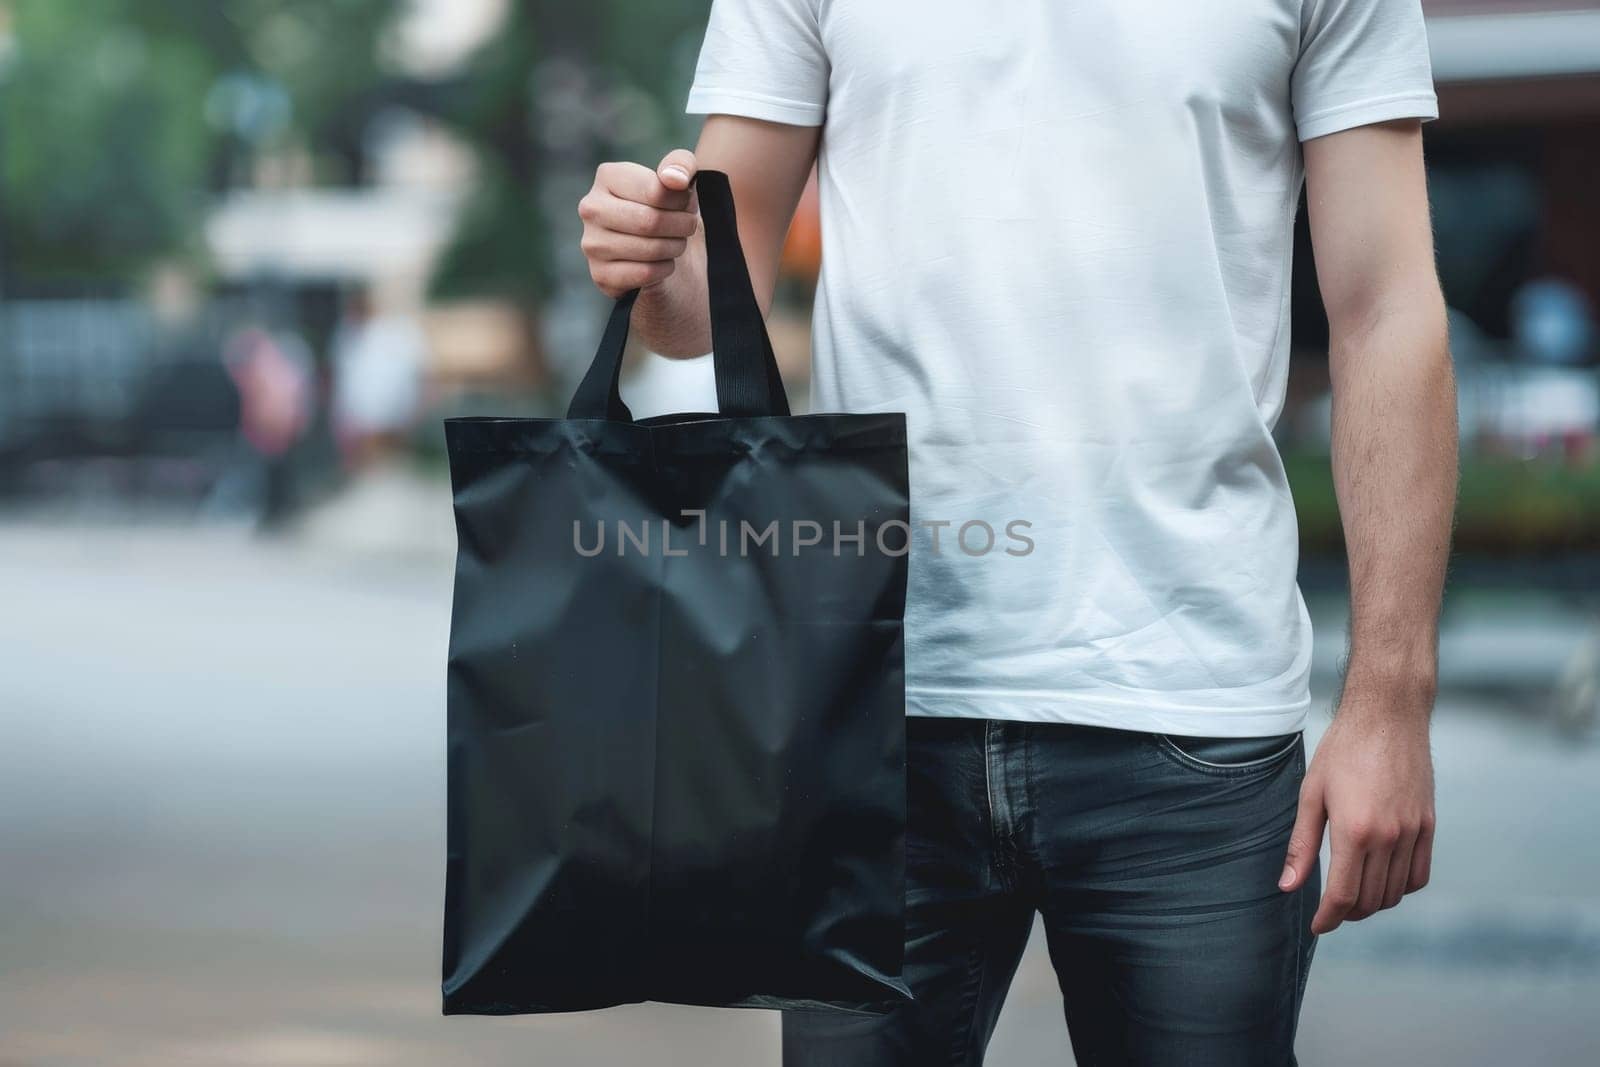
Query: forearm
1394	469
1394	466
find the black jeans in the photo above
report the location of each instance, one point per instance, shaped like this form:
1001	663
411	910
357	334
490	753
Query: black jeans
1154	861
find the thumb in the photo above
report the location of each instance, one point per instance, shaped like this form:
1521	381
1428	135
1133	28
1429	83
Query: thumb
677	169
1304	841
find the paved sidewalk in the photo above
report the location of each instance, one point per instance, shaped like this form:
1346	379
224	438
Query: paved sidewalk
221	824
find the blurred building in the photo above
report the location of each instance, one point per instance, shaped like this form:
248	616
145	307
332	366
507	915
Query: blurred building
1512	165
385	236
1519	102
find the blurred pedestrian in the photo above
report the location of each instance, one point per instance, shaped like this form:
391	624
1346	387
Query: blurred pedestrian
272	371
378	364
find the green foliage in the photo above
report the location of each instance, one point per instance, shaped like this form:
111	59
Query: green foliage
502	243
98	160
117	120
561	87
1506	506
120	120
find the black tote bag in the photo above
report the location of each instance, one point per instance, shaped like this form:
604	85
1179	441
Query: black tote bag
676	695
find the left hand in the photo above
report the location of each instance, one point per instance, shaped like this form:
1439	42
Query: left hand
1371	784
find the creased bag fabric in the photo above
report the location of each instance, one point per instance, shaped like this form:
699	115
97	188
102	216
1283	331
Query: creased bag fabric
675	687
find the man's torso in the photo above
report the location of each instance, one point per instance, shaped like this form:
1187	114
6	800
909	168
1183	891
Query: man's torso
1058	236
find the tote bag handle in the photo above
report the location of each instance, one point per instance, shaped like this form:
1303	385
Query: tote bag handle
747	372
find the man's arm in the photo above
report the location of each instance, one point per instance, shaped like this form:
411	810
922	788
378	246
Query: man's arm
641	230
1394	467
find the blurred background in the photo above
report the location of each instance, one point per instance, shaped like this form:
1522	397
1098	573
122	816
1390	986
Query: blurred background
252	251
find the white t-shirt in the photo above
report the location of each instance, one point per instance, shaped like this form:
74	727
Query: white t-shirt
1058	237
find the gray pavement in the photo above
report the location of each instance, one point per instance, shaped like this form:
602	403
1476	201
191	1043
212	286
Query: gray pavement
221	834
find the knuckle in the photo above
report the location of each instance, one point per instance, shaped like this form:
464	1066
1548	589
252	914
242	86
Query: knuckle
616	275
652	223
639	274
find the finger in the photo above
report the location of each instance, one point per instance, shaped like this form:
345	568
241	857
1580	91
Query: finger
614	279
639	219
1304	841
1374	881
677	169
1399	872
608	245
640	185
1421	858
1343	889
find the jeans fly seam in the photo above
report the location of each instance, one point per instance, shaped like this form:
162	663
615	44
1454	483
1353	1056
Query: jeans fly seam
997	783
961	1051
988	781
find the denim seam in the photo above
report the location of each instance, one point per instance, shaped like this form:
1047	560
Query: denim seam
1173	754
1004	830
972	998
1247	764
1302	949
1027	781
993	747
988	784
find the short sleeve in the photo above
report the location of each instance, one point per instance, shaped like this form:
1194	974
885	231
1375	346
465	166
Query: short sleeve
1361	61
763	59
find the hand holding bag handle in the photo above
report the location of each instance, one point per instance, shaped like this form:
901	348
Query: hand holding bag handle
747	372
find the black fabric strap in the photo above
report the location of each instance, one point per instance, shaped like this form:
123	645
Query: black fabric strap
747	371
748	382
597	396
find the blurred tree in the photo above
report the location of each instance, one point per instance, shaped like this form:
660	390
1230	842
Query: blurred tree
560	88
118	117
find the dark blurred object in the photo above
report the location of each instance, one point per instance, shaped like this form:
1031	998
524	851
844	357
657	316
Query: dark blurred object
101	399
187	423
272	370
71	374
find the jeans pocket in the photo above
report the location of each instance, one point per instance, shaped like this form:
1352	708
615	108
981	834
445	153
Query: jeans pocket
1228	757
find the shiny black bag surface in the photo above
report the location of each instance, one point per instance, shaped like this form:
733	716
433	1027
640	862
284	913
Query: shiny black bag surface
676	707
